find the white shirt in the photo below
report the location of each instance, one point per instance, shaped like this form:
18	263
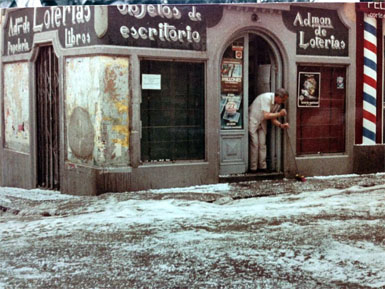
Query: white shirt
262	103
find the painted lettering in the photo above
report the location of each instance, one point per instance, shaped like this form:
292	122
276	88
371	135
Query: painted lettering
312	21
165	32
194	15
302	43
125	32
298	20
321	43
320	32
152	32
134	33
36	27
379	5
142	32
320	40
21	25
140	11
75	39
19	47
55	17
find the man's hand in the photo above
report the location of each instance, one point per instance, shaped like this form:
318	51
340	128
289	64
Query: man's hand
285	125
283	112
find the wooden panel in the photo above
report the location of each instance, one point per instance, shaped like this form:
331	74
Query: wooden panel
322	129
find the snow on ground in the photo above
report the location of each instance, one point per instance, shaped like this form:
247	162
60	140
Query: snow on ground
200	189
327	233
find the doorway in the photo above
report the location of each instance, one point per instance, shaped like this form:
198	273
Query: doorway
250	65
47	119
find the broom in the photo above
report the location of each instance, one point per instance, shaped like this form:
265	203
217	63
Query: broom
298	176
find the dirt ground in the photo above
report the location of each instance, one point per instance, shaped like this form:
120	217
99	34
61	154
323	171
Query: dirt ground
323	233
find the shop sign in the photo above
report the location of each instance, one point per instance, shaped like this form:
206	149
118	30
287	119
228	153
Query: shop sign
154	26
319	31
158	26
73	24
373	9
309	89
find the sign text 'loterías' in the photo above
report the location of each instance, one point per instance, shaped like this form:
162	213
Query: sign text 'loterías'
319	31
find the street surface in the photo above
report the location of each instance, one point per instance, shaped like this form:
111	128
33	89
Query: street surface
323	233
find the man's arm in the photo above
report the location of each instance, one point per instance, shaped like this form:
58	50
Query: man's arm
274	115
278	124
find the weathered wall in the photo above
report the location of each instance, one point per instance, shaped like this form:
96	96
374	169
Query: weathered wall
97	97
369	159
16	106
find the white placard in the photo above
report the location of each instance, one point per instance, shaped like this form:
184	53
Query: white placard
151	81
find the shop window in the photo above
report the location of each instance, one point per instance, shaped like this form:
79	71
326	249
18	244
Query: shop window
321	110
172	111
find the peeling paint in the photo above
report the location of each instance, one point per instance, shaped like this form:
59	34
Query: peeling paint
123	131
105	95
122	107
16	106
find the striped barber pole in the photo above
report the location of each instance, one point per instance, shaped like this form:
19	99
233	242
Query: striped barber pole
370	80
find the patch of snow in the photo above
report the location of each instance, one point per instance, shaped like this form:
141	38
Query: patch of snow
273	232
34	195
28	273
215	188
331	177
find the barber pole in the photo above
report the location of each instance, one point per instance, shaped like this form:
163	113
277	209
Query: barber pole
370	80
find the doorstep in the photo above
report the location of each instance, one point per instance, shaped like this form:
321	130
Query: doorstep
246	177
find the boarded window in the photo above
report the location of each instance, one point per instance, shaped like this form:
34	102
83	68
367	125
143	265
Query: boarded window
321	129
172	111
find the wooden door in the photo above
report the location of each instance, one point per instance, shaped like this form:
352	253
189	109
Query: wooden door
321	129
47	112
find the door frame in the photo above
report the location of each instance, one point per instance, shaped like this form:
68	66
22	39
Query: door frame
240	137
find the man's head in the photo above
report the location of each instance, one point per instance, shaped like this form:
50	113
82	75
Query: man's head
281	95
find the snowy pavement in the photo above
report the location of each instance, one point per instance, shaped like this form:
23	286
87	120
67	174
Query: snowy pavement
325	233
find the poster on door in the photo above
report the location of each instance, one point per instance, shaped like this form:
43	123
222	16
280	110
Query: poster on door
231	112
231	76
231	96
309	89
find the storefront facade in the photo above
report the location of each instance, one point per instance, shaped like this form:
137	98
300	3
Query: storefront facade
131	97
369	149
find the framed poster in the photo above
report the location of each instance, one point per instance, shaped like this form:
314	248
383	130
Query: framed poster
309	89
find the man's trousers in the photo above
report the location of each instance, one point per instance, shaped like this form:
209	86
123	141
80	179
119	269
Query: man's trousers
257	148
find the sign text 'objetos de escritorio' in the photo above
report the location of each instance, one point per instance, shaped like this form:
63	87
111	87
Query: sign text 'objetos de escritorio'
164	31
